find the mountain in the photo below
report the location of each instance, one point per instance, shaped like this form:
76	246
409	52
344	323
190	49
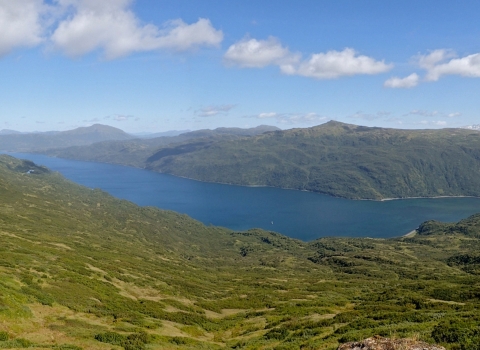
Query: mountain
333	158
337	159
9	132
136	152
80	269
42	141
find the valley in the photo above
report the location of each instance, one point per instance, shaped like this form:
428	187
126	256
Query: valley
80	269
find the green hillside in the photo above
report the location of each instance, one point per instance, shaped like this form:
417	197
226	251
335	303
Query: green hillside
80	269
334	158
341	160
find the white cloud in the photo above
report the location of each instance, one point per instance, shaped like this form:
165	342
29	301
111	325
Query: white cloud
444	62
111	26
423	113
267	115
20	24
291	118
429	61
453	115
120	117
211	111
468	66
253	53
335	64
408	82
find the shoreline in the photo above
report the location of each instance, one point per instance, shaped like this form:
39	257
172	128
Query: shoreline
244	185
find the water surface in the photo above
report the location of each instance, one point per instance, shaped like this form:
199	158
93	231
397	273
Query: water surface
302	215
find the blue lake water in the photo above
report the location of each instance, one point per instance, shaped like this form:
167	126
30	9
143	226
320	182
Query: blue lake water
302	215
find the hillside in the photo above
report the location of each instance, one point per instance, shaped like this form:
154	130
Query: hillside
42	141
340	160
80	269
334	158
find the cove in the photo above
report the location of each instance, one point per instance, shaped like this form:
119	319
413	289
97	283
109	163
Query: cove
301	215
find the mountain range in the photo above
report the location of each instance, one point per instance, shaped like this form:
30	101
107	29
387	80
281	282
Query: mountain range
333	158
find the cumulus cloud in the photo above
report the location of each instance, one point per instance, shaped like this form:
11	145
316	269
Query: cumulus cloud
255	53
335	64
291	118
408	82
110	25
21	24
445	62
211	111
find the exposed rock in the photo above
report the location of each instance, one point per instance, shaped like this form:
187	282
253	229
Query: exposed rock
378	343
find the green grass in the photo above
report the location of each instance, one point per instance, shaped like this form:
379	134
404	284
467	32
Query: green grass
81	269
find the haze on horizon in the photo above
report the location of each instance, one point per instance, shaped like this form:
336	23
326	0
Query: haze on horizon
151	65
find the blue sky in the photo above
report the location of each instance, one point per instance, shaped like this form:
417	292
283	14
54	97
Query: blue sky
154	65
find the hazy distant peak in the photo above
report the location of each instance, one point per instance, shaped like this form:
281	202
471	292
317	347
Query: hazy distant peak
96	128
9	132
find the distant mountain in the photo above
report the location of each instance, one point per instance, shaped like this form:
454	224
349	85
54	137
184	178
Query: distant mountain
43	141
333	158
137	152
9	132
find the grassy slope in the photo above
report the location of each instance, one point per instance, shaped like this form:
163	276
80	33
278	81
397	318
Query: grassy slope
79	267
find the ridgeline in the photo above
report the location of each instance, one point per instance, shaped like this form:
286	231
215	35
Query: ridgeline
80	269
334	158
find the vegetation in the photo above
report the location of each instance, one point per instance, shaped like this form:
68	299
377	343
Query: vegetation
334	158
135	152
80	269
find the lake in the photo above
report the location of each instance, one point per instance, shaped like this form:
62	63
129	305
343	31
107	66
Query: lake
302	215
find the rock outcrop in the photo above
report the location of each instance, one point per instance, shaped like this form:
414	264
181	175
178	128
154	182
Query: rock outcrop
379	343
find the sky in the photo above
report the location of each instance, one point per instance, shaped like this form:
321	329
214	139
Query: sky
155	65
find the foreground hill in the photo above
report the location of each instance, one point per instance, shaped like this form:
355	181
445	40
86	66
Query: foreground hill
80	269
18	142
334	158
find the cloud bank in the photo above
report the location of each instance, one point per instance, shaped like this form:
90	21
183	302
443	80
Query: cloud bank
253	53
79	27
21	24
